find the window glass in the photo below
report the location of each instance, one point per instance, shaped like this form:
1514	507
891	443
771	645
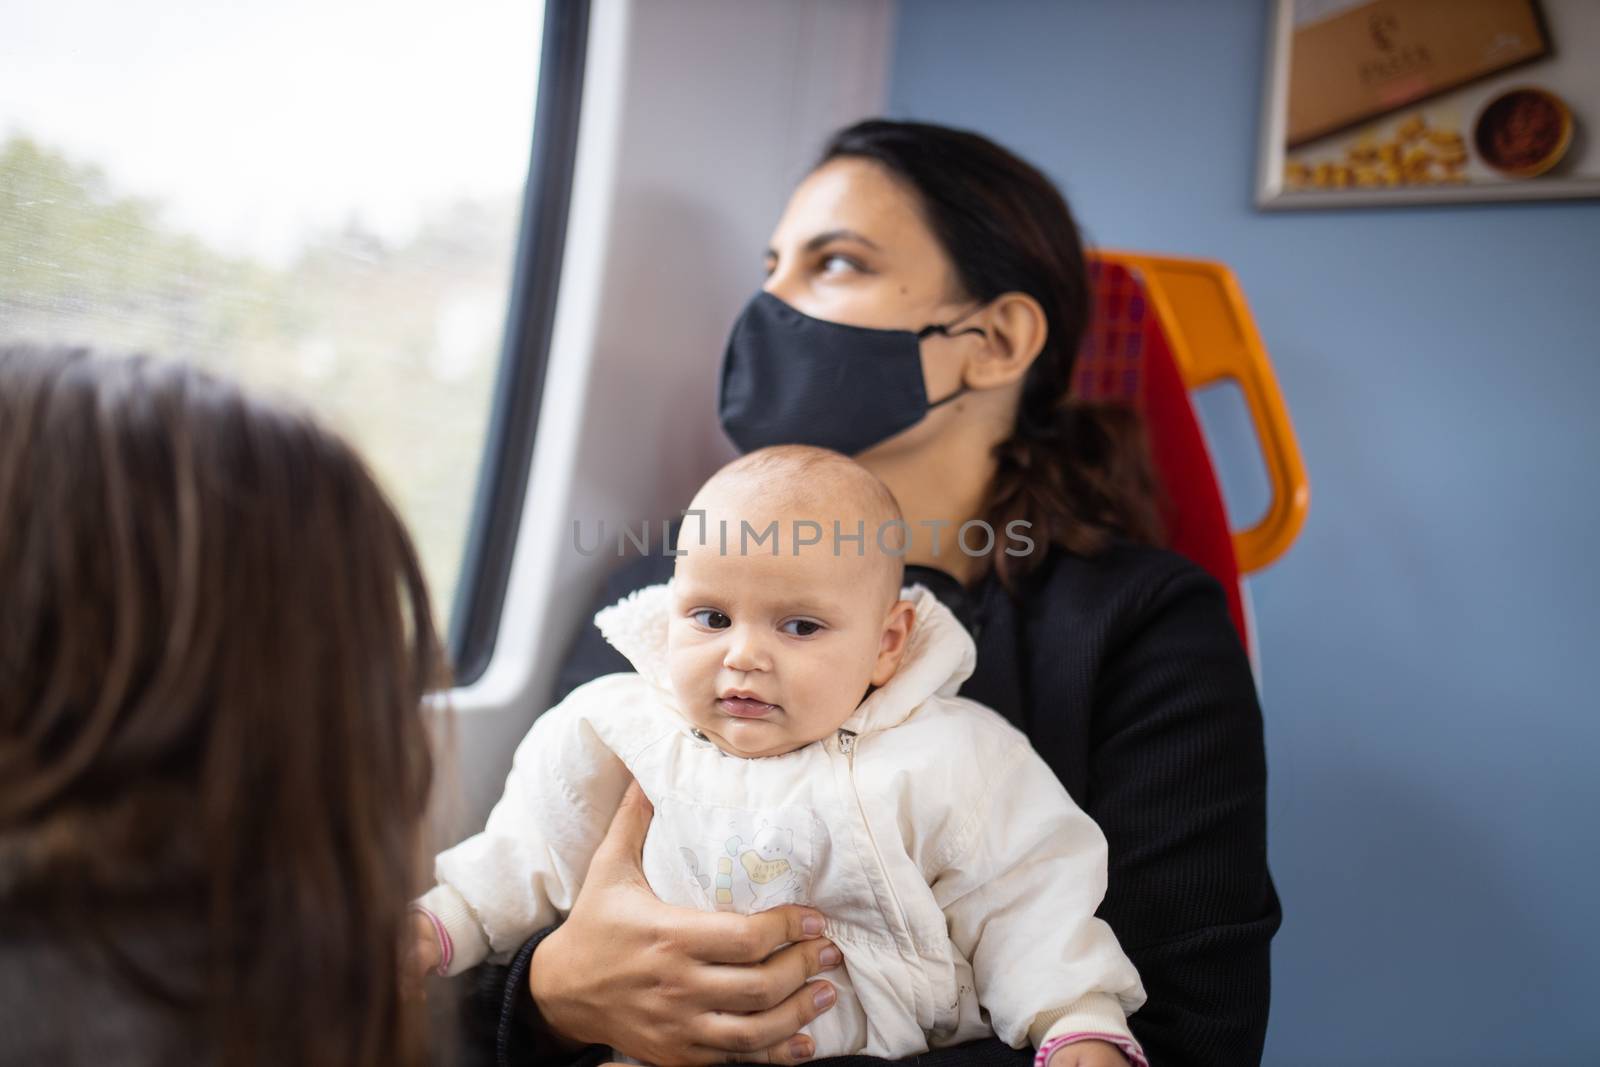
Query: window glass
318	199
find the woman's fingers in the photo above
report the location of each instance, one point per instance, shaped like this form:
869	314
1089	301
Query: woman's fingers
763	1032
797	1049
723	937
768	984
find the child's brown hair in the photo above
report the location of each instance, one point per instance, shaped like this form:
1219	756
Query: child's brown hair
216	641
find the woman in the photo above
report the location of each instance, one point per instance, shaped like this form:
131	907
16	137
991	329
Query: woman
213	765
1117	658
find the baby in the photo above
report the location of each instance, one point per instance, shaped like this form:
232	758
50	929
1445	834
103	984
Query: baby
794	722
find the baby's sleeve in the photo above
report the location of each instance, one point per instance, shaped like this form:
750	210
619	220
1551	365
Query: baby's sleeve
1026	872
523	871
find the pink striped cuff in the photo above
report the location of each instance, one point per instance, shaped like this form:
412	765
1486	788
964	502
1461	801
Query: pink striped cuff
447	948
1129	1047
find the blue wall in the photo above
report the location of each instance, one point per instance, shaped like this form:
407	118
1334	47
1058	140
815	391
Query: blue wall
1432	729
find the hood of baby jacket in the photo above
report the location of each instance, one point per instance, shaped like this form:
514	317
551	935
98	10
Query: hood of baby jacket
939	655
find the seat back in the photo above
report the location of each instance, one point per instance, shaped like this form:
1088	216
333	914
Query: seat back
1159	328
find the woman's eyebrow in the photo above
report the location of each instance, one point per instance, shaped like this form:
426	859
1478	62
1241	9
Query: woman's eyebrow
829	237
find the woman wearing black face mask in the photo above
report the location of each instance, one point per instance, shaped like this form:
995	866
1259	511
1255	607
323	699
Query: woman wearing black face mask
925	297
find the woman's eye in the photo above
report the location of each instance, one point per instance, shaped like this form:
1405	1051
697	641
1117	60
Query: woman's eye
837	264
802	627
711	619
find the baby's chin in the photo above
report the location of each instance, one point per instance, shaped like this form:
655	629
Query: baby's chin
752	738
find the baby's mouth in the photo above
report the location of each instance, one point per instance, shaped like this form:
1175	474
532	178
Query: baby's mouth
746	707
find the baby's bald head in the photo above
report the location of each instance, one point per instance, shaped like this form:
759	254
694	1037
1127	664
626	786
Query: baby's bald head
795	485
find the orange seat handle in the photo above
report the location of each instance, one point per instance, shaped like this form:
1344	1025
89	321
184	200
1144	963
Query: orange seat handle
1213	339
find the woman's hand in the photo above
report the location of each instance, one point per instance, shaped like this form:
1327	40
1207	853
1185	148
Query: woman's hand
670	985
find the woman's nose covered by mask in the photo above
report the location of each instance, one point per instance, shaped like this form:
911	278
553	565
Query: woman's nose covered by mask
788	378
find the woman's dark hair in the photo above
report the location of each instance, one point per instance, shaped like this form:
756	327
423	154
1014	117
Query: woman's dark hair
1079	473
217	641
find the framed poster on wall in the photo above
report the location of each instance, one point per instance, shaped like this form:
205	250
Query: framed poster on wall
1371	102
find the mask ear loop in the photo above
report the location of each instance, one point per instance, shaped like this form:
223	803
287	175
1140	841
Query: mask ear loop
943	330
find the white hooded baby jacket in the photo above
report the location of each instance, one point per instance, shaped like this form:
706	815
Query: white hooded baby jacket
958	878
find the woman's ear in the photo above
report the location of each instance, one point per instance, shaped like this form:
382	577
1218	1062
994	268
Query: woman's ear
892	648
1015	328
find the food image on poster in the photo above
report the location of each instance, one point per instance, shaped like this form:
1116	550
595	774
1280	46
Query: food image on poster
1524	133
1394	101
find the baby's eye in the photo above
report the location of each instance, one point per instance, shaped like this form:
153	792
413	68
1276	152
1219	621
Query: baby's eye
802	627
711	619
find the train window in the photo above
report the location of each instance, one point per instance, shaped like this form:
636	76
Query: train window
324	200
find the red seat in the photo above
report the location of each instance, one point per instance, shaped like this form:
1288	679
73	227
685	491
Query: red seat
1126	358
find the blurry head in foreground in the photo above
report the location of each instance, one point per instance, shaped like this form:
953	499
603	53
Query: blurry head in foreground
213	765
782	616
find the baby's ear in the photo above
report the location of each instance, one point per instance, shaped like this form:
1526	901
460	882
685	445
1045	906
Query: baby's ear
897	624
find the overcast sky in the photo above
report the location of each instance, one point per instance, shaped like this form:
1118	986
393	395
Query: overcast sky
256	120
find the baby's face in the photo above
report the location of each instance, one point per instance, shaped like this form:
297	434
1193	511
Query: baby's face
769	653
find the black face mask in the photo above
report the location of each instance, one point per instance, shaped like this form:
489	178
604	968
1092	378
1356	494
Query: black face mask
790	379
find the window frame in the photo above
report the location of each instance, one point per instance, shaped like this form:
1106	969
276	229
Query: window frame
480	591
